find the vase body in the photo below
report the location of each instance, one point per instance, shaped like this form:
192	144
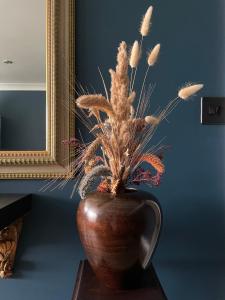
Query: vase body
119	234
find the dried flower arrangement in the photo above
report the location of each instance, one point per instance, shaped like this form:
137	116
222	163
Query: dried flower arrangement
124	134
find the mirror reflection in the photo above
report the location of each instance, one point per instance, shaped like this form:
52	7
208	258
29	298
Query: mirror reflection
22	75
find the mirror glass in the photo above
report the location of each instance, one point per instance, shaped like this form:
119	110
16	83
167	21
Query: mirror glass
22	75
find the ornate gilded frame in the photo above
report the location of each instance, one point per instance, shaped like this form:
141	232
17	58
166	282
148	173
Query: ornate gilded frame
55	160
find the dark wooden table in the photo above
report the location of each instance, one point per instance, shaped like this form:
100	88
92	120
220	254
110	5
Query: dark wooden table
89	288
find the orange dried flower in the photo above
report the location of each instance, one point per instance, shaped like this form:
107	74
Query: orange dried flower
155	161
104	186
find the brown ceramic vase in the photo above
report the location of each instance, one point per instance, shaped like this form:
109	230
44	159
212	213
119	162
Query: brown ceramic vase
119	234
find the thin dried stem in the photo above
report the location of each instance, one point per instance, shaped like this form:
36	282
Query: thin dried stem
103	81
136	69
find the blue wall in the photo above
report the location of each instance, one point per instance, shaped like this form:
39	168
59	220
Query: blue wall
190	259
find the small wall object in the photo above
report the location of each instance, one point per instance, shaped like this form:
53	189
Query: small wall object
213	110
13	207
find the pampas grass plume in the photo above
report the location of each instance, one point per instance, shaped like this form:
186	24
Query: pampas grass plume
135	55
153	55
146	22
155	161
188	91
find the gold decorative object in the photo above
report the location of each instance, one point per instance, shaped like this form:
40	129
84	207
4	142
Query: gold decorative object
55	159
9	237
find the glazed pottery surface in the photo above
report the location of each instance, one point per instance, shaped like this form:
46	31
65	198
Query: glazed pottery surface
119	234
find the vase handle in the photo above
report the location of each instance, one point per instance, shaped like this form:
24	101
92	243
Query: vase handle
149	244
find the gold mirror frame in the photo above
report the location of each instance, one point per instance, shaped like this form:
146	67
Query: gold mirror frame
54	161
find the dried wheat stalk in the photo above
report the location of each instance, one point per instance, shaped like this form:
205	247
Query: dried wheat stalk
95	102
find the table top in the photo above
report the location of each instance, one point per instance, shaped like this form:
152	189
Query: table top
88	287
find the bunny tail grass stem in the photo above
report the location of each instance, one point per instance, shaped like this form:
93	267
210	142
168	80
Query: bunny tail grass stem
103	81
169	108
131	78
142	87
141	43
135	73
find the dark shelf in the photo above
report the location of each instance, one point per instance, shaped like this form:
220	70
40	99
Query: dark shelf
13	207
